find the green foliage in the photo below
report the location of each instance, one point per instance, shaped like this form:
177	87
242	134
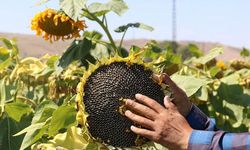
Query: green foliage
8	128
79	50
211	55
33	133
17	110
123	28
92	146
73	8
189	84
244	52
195	50
117	6
63	117
37	94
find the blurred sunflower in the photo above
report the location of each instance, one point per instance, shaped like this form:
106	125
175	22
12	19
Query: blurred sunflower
54	25
221	65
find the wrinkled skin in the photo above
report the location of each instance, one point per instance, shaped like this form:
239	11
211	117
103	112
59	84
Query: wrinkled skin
164	125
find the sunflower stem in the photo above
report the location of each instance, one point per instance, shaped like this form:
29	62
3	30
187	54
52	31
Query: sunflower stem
106	22
120	45
105	28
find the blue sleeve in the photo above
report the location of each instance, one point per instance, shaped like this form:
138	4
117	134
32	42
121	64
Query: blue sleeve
199	121
218	140
206	136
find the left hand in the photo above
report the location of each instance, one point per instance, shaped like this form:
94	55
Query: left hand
164	125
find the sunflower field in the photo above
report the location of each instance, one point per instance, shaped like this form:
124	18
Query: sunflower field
42	99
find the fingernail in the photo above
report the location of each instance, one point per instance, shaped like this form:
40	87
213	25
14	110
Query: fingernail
132	127
137	96
127	113
166	98
128	102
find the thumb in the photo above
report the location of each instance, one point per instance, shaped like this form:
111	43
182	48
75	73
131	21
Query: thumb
168	104
167	80
157	78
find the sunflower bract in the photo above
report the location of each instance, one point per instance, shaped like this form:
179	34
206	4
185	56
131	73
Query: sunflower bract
103	92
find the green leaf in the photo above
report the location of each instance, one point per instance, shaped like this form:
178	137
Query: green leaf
117	6
92	36
73	139
11	45
233	94
73	8
124	52
78	50
4	54
8	128
5	64
33	133
211	55
31	127
44	111
214	70
100	51
17	110
33	136
231	79
6	91
145	27
92	146
63	117
2	95
52	61
42	2
169	60
123	28
244	52
134	49
235	113
98	9
202	93
189	84
7	43
194	49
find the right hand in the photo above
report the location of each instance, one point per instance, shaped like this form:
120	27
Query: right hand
164	125
180	98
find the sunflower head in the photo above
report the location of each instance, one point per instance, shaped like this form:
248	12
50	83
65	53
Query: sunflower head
221	65
54	25
101	95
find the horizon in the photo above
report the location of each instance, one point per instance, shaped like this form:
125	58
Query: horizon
197	21
129	39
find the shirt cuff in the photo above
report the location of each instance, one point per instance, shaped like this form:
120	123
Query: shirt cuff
197	119
200	139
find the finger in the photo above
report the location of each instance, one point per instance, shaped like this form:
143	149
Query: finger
141	109
157	78
142	132
139	119
167	80
149	102
168	104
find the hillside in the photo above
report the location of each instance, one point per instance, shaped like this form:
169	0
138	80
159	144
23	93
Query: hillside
31	45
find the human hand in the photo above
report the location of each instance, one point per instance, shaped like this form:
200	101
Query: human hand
180	98
165	126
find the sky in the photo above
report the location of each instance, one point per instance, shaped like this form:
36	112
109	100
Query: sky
221	21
